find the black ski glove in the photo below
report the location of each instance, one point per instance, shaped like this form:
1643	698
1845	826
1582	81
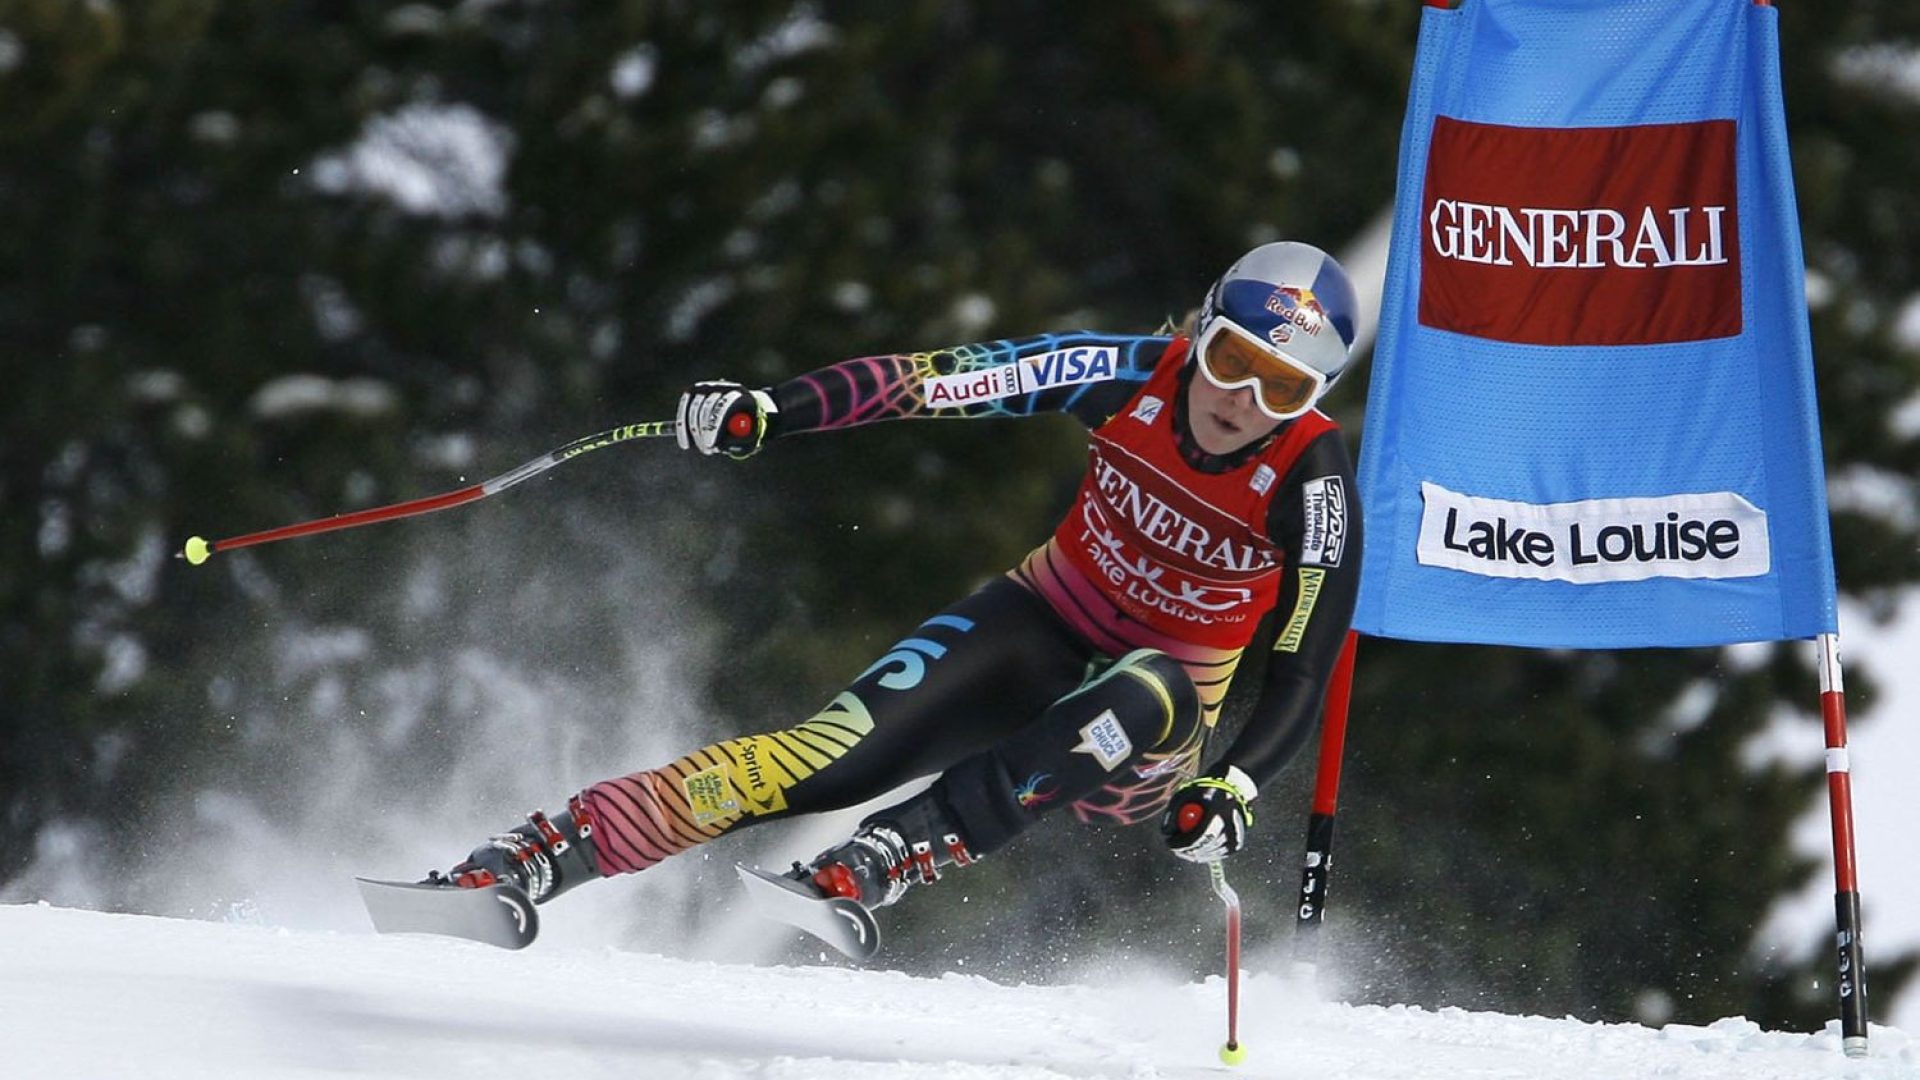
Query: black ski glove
722	417
1208	817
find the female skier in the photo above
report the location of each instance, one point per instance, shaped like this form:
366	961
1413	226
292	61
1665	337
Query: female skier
1090	675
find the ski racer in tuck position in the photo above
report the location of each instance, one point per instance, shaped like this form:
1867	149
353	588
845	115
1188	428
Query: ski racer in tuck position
1088	677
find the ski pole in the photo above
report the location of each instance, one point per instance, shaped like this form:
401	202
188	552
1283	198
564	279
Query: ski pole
1232	1053
1315	875
197	550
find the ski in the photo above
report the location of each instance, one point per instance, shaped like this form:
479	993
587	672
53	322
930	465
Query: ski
836	920
496	914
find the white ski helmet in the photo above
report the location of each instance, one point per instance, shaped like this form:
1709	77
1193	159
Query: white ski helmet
1294	300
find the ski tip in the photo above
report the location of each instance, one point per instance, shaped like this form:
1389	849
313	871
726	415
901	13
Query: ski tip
386	883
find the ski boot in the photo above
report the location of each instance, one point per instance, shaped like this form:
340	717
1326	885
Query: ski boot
891	851
543	858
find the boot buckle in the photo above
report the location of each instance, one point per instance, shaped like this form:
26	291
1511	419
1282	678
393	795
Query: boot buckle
549	836
923	862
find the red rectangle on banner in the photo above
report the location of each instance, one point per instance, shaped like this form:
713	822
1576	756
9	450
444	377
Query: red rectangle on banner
1581	236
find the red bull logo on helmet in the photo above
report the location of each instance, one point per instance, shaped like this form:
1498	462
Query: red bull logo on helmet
1297	309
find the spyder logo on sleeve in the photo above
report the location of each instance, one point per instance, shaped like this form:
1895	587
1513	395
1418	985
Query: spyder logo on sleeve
1323	534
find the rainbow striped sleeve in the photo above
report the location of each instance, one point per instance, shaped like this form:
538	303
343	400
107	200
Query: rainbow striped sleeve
1085	374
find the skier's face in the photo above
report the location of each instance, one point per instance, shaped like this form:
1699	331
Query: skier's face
1223	421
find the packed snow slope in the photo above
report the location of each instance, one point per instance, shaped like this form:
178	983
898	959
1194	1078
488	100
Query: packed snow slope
85	995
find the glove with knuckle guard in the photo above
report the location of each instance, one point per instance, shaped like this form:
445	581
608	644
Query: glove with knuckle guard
722	417
1208	816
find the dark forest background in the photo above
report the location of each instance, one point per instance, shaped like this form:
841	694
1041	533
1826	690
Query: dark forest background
267	260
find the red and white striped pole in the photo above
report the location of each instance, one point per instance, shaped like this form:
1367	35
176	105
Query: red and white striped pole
1852	983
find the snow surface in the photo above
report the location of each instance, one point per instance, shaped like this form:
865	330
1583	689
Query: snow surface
85	994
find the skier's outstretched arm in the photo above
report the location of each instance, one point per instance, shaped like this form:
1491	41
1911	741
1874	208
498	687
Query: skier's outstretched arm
1316	523
1087	375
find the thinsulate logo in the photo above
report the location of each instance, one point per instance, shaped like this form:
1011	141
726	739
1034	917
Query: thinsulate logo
1581	236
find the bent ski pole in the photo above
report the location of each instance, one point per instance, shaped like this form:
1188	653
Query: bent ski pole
198	550
1232	1052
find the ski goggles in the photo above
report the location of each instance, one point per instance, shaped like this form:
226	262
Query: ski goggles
1231	358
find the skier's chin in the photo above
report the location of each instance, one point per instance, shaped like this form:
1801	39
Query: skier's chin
1219	434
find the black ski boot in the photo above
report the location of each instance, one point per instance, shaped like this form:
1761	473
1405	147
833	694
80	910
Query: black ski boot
891	850
544	858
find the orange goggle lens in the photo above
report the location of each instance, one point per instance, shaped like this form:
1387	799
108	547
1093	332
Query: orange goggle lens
1231	358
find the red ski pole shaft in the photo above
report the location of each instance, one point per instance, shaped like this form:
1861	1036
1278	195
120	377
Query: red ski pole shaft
1232	1053
1317	871
198	550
